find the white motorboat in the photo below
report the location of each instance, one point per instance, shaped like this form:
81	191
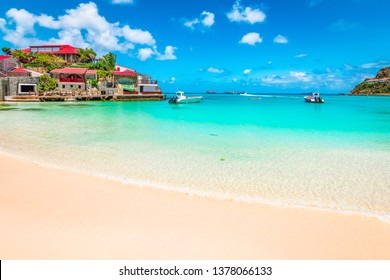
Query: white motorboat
314	98
180	98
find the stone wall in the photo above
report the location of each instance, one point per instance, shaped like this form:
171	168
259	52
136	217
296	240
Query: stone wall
71	86
9	85
3	88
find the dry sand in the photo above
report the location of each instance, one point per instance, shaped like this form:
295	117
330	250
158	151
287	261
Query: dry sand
49	213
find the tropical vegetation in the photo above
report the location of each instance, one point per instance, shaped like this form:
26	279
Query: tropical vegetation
370	87
87	59
46	83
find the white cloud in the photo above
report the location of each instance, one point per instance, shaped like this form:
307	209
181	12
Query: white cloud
48	22
191	23
369	65
235	80
280	39
206	19
122	1
293	77
248	14
82	27
215	70
300	76
247	71
2	25
300	55
145	54
138	36
169	54
251	39
172	80
23	19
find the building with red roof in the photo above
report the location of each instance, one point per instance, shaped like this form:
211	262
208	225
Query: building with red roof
7	63
73	78
66	52
19	72
133	82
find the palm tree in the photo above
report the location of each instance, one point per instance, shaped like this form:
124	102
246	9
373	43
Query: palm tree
87	55
6	51
20	57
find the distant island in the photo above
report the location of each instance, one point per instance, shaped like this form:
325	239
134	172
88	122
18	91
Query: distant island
380	85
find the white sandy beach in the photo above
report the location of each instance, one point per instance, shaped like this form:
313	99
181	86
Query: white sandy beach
49	213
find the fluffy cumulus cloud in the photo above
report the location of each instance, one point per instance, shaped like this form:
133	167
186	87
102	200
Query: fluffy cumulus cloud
247	14
247	71
169	54
205	20
251	39
122	1
215	70
82	27
138	36
280	39
146	53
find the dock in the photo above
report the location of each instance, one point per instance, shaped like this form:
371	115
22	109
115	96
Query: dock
76	98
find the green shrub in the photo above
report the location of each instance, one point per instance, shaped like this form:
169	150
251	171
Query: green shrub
46	83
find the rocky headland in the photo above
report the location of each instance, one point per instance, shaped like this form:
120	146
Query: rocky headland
380	85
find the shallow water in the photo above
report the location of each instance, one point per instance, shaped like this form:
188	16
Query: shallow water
276	149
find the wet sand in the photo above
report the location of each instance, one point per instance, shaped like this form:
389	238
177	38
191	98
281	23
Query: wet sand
48	213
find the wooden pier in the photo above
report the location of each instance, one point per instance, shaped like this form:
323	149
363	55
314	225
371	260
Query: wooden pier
76	98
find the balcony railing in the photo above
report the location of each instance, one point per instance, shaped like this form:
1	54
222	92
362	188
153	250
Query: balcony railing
71	80
148	82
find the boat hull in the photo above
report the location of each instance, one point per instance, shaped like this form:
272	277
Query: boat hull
194	99
309	99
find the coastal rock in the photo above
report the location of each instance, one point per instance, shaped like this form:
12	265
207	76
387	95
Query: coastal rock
383	73
380	85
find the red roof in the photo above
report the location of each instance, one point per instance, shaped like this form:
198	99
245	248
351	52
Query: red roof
64	49
2	57
20	70
67	50
126	73
91	72
74	71
70	71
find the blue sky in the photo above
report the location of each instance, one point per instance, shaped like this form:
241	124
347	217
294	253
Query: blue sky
269	46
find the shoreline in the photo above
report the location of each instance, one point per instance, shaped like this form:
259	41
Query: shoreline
56	214
190	192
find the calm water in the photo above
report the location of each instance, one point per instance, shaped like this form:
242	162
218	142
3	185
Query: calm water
276	150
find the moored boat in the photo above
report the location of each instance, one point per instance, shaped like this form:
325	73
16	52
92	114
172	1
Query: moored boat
314	98
181	98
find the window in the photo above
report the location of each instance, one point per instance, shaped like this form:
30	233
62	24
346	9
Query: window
26	88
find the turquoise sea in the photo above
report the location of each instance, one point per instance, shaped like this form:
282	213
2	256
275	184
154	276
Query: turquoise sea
277	149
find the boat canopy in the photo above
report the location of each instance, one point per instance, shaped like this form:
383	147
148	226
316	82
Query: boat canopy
315	94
